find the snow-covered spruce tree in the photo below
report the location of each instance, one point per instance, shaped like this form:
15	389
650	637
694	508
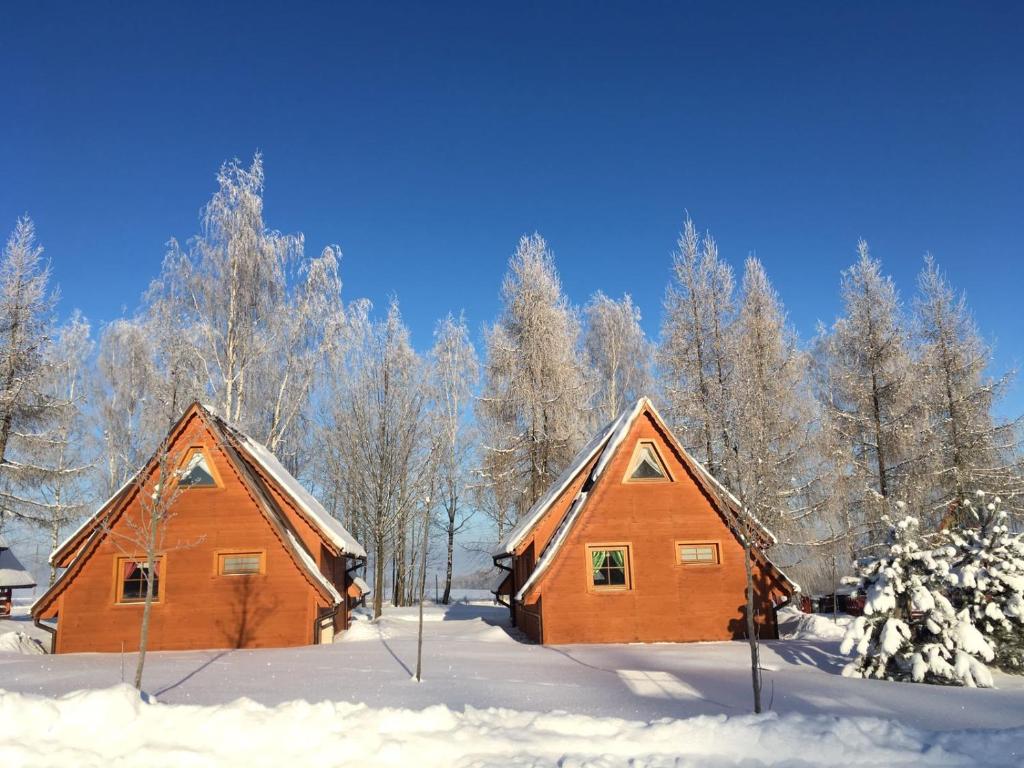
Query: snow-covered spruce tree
987	577
910	630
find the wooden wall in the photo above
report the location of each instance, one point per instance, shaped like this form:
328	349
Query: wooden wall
668	602
197	607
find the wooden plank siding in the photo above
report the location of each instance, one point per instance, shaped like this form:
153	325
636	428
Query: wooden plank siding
668	601
198	607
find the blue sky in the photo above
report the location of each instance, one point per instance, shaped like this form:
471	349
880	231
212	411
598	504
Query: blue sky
425	138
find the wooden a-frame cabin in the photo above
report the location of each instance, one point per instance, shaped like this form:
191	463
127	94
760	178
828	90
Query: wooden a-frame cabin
637	542
251	558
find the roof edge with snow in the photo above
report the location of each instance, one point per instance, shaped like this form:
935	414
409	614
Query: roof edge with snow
604	447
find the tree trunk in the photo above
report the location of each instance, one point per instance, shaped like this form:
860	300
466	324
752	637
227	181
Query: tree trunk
755	661
146	611
423	587
451	551
378	577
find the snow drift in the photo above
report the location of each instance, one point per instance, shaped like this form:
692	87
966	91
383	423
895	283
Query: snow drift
116	726
19	642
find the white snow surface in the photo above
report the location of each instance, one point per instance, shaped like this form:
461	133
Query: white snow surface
328	525
116	726
605	704
795	625
19	642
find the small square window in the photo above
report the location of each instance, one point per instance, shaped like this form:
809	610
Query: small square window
240	563
609	567
697	554
131	580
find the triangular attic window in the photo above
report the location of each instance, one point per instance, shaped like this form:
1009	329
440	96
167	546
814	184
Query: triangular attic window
195	472
647	464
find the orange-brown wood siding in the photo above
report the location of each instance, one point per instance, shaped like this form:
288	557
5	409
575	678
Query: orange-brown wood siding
668	602
197	608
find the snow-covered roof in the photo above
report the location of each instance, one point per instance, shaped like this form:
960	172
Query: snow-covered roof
330	528
12	573
311	568
362	586
328	525
604	446
91	521
584	457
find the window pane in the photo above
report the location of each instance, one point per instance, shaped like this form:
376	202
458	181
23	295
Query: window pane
196	472
648	467
133	584
240	564
609	567
698	553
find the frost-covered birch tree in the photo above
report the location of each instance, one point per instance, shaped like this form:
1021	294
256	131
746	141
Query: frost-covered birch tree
966	448
125	382
534	404
454	372
26	304
252	313
375	424
618	353
59	451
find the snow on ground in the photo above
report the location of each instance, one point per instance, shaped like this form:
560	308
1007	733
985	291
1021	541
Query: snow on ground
794	625
19	642
481	684
116	727
20	623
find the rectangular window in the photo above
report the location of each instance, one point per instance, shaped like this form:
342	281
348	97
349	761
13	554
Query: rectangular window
698	554
240	563
132	580
609	567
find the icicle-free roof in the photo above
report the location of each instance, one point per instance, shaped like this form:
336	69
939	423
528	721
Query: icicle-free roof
581	460
329	526
12	573
251	458
362	586
604	447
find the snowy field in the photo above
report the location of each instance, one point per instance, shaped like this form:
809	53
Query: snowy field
489	699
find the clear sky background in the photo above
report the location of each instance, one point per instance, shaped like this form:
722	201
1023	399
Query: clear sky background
424	139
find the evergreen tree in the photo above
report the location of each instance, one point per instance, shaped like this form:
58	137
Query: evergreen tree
987	577
910	630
